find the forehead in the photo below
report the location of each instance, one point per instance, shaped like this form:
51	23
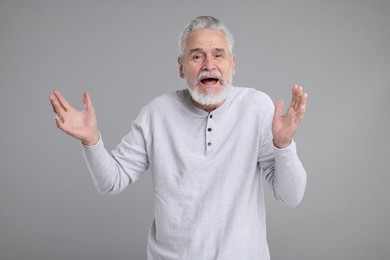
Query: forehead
206	39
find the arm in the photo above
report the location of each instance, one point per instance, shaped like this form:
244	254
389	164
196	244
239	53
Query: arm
280	163
111	172
285	174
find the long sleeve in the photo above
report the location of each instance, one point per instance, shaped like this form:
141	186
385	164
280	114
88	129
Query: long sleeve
286	175
112	172
282	168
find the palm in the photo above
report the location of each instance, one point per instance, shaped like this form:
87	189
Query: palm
79	124
285	126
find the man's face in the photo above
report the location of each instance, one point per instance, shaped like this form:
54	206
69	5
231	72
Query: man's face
207	64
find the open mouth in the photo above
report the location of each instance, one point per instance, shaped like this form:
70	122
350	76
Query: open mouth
209	81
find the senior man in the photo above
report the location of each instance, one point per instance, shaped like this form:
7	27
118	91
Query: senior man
208	147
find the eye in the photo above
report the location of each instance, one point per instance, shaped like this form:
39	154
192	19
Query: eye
197	57
218	55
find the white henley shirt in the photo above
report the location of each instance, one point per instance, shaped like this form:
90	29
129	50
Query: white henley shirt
207	171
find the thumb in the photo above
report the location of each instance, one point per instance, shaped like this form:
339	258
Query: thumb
279	108
87	101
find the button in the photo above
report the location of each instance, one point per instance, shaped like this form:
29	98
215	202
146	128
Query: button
208	144
209	129
211	116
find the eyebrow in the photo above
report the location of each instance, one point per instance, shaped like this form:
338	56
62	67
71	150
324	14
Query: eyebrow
202	50
196	50
220	50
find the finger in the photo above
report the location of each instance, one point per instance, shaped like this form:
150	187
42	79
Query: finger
294	95
302	104
300	100
59	111
87	101
64	104
279	108
301	110
297	93
52	98
57	108
59	122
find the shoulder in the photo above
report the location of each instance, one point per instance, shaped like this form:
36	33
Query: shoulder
165	98
252	98
165	102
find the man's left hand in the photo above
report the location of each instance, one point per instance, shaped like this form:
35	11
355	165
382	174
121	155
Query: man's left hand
285	126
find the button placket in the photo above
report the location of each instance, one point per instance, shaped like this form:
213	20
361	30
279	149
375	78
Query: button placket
209	132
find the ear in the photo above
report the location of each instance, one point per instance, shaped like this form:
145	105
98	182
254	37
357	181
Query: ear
180	62
233	64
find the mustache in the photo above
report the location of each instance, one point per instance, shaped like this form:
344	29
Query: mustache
209	74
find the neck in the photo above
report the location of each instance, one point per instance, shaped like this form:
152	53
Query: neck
207	108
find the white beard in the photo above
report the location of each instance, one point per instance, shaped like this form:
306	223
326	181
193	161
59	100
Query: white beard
209	98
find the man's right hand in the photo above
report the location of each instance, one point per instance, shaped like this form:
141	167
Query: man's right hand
79	124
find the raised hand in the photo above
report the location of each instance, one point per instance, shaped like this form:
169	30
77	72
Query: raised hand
285	126
79	124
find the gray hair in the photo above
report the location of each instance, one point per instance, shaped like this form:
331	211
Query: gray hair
205	22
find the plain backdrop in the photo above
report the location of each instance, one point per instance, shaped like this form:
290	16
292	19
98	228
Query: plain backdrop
125	53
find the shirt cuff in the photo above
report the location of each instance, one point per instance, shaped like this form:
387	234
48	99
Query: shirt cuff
289	148
92	147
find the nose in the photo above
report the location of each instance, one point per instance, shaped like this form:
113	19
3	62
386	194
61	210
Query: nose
208	64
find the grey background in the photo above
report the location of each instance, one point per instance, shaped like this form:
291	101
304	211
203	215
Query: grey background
124	53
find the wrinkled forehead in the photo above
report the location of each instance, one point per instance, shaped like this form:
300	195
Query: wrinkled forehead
206	40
